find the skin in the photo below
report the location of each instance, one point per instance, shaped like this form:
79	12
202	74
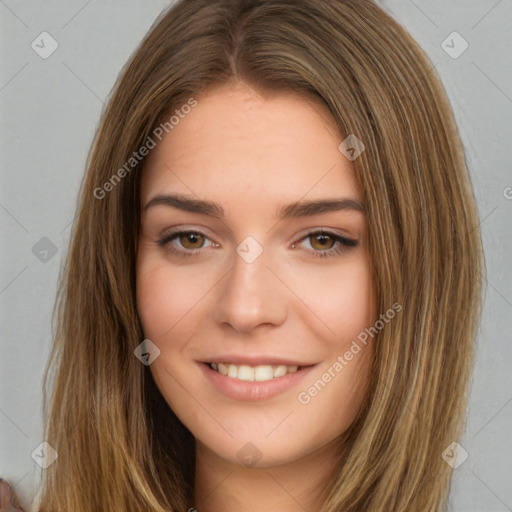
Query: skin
254	153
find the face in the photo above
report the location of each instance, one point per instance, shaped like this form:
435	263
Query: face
235	269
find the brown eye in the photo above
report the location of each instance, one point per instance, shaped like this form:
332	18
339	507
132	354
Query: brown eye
191	240
322	241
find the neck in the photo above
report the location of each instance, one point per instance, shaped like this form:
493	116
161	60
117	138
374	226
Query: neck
296	486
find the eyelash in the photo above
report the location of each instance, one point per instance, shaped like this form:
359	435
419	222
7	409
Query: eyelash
342	244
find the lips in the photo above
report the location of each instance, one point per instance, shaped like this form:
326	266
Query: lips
258	373
244	389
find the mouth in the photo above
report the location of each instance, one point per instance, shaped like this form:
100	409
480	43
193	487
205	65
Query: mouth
260	373
261	380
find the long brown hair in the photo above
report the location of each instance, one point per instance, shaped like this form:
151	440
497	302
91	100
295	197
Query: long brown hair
120	446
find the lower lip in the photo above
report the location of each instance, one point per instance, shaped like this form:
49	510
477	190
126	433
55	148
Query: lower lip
253	391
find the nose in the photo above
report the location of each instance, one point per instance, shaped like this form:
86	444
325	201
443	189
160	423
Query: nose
251	295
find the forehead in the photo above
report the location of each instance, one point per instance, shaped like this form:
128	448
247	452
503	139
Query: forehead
239	143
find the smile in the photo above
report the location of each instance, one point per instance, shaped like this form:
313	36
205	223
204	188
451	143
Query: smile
254	383
260	373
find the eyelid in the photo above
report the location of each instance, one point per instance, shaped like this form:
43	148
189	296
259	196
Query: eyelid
334	232
166	233
342	243
170	234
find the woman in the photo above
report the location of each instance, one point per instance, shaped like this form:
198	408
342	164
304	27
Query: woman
274	281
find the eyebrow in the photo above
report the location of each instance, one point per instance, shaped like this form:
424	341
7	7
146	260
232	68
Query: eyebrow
293	210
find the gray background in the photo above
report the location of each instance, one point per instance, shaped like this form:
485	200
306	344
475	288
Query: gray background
50	110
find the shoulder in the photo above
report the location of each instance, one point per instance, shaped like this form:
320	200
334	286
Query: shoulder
8	499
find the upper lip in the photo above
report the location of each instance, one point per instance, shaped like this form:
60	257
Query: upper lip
256	360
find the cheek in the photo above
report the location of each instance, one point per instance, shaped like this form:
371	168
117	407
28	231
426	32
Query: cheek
338	298
328	408
156	304
342	304
165	296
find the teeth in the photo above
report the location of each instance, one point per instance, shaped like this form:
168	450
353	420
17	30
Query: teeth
244	372
262	373
232	371
253	373
280	371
